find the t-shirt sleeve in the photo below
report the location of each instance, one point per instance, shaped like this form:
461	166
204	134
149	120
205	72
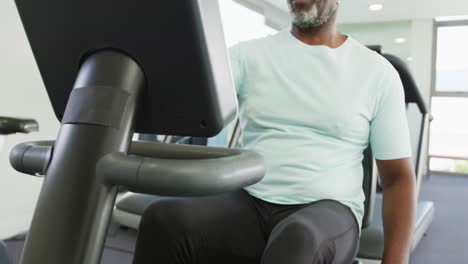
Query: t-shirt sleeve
237	67
389	135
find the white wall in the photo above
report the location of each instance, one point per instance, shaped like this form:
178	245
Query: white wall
422	52
422	64
22	94
384	34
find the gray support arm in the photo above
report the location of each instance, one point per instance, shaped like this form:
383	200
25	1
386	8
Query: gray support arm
159	168
179	170
235	135
178	151
422	146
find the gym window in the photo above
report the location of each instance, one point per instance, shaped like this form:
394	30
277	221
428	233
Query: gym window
448	148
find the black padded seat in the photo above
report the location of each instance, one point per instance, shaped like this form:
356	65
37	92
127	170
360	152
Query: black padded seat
137	203
129	209
412	93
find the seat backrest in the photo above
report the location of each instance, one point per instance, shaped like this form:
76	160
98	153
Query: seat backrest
412	93
376	48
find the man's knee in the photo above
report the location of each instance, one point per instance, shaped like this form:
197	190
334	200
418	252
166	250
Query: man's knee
320	245
306	242
295	241
298	231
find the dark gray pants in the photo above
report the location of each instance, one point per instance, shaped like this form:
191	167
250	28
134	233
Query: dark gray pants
237	228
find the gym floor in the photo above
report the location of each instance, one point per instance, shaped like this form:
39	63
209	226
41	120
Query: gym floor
446	240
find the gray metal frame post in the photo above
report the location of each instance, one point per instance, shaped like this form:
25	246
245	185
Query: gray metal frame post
422	146
74	208
236	133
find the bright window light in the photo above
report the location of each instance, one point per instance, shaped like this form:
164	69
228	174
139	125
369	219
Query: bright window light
452	57
449	128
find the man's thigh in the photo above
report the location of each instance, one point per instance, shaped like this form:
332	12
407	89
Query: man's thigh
322	232
214	229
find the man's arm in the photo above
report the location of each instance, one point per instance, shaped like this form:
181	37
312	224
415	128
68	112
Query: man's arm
399	207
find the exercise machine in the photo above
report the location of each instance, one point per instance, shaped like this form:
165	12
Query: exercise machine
112	68
8	126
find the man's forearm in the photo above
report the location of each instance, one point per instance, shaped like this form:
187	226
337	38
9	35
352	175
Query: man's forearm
399	206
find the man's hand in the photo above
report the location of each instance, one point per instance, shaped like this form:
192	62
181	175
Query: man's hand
399	208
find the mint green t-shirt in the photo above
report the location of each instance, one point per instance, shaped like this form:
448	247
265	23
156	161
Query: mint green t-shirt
311	111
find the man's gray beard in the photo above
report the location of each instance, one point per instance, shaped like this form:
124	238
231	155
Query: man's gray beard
310	18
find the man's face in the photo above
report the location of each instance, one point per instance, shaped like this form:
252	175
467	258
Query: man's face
312	13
